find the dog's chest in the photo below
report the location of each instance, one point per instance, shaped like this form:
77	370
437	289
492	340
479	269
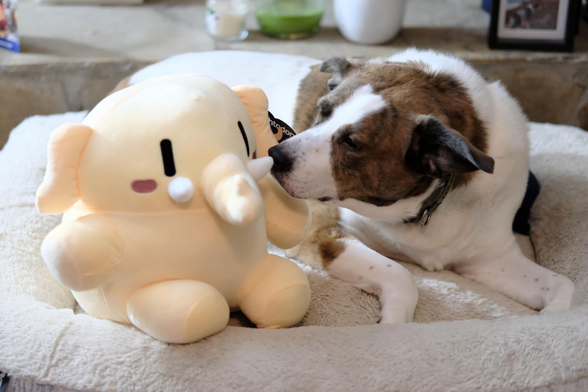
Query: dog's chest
444	241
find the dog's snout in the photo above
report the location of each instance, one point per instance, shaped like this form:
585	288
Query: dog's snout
282	162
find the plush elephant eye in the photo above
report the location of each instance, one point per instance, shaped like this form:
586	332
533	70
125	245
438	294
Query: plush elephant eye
244	136
167	153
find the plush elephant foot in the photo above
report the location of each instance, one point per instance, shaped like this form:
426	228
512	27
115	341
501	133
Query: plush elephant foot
178	311
277	295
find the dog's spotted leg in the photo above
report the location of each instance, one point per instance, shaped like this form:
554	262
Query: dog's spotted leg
521	279
350	260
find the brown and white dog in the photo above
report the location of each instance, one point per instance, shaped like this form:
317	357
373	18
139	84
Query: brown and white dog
393	137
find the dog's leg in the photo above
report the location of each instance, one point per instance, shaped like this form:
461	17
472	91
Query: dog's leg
519	278
366	269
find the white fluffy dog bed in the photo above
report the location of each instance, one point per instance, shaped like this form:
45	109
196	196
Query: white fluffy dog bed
466	337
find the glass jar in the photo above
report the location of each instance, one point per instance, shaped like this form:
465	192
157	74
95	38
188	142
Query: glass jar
225	19
289	19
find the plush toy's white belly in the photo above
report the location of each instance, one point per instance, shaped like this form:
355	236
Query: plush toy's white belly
177	245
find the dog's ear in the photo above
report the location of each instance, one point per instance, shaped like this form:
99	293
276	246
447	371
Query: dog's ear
339	67
436	150
335	65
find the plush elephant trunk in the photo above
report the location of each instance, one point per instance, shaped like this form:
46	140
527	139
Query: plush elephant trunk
231	189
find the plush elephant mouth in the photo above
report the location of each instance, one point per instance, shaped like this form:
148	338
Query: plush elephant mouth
144	186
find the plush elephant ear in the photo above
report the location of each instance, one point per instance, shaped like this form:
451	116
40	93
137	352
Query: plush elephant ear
59	190
256	103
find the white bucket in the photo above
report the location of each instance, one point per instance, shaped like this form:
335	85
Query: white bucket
369	21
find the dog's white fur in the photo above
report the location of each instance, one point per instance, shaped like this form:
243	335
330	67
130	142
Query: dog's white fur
470	233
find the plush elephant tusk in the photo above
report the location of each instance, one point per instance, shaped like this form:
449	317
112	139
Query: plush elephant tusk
230	189
181	189
260	167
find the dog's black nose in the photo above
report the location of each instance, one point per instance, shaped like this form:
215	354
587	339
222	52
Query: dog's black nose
282	162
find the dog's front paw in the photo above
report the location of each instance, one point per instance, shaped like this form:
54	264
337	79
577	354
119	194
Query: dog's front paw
398	308
555	307
395	315
562	291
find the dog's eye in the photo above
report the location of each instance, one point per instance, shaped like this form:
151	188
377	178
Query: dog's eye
349	143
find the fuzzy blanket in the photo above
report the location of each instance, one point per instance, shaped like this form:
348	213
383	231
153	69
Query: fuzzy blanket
466	337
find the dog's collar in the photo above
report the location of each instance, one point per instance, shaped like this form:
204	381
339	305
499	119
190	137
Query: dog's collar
432	202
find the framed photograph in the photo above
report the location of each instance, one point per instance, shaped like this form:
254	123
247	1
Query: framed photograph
545	25
8	21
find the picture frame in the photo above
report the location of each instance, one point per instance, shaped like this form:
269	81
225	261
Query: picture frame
8	25
540	25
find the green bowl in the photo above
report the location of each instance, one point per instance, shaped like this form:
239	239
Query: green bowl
289	19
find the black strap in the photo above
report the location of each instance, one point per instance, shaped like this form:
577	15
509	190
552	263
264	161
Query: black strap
432	202
521	223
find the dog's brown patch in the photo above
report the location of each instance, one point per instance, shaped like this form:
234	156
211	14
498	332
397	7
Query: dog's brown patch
325	239
330	250
417	64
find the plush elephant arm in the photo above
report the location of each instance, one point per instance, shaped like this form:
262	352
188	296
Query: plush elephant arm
83	254
288	219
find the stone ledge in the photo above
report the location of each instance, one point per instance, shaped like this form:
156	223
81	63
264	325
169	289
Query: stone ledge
56	87
551	87
468	43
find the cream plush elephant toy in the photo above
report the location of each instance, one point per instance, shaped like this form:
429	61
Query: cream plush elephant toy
165	225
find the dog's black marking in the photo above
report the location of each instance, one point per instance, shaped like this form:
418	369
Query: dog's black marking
437	151
4	381
521	221
167	153
244	136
